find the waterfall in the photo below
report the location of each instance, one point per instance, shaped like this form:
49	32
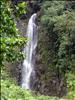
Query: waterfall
30	51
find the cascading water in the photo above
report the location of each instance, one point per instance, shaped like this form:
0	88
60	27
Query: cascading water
30	51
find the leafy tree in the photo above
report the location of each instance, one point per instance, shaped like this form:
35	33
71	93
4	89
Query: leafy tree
11	40
58	25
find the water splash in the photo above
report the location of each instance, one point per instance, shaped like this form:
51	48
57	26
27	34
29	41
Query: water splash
30	51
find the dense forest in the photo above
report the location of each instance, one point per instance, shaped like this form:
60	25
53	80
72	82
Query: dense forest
55	51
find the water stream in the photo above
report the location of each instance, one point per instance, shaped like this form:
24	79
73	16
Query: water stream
30	52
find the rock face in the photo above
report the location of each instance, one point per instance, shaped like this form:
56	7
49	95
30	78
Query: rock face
16	68
46	82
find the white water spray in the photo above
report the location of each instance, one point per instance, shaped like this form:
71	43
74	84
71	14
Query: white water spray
30	51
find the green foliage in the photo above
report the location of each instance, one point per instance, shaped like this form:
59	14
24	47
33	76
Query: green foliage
51	9
11	41
58	25
71	81
65	27
57	45
70	85
10	91
20	9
